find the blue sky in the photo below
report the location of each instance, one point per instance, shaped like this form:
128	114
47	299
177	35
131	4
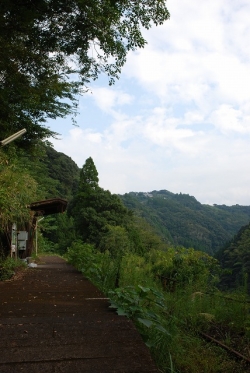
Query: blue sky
179	116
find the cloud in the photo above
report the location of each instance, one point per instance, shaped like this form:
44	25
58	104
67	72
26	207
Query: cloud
108	98
179	117
228	119
199	55
159	156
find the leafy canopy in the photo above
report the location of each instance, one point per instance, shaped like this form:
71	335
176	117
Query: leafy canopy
50	49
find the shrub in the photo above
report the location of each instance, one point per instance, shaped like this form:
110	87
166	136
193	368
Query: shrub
8	267
101	268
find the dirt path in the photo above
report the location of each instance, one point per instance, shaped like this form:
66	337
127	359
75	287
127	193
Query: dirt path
53	320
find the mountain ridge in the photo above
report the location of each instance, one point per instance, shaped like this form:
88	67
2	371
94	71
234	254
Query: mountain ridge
178	218
182	220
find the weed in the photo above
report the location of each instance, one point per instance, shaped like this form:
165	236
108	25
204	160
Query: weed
168	315
8	267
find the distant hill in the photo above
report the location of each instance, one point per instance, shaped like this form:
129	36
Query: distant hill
181	220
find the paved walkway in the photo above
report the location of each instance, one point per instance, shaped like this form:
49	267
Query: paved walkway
53	320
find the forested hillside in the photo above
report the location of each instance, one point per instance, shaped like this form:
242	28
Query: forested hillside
234	258
64	171
181	220
94	215
56	173
178	219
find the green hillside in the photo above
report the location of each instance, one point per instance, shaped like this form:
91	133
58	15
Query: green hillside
234	258
56	173
64	171
181	220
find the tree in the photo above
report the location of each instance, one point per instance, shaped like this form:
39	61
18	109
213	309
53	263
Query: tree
180	267
89	176
59	231
17	190
88	184
116	241
95	209
235	260
50	49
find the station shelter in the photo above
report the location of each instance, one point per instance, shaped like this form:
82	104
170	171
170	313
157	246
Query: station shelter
22	239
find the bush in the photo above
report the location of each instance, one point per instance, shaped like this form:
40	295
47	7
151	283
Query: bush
181	268
101	268
8	267
135	270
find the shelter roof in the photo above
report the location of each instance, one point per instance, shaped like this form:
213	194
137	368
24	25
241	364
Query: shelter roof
49	206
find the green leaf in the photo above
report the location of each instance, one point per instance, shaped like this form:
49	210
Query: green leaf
121	312
145	322
162	329
149	344
143	289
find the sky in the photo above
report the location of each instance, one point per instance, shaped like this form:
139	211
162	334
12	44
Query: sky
179	116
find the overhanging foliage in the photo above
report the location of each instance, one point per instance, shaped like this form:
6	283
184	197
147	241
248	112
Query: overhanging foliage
50	49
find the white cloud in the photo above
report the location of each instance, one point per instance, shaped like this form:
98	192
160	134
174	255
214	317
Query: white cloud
193	54
162	130
106	99
228	119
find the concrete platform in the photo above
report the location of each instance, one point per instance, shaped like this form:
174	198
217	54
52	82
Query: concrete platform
53	320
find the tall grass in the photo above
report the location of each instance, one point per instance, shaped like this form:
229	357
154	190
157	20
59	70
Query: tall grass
171	297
